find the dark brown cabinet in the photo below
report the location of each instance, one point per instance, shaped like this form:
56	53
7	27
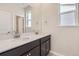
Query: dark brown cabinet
43	49
39	47
33	52
45	46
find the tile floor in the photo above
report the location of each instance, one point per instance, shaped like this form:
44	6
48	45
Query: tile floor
50	54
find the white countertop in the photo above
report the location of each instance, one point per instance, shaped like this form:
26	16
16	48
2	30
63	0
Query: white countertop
10	43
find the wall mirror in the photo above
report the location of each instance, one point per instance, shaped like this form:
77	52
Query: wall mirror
5	22
24	24
20	18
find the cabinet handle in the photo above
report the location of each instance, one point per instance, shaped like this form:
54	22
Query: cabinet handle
29	54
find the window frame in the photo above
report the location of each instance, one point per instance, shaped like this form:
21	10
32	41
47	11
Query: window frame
76	16
27	19
26	12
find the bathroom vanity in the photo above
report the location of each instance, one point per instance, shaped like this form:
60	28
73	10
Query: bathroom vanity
34	46
14	29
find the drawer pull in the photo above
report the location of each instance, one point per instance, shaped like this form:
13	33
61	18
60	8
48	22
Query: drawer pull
29	54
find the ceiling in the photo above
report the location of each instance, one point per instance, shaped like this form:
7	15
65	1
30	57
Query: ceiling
18	5
13	6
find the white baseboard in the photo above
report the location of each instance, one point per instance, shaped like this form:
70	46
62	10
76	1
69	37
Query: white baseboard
56	54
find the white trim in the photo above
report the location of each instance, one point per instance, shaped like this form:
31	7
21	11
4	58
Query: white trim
69	25
71	4
56	54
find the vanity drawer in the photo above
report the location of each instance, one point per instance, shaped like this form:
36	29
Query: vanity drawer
15	51
21	49
34	52
34	43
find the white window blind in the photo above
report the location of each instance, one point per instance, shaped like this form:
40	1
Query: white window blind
67	14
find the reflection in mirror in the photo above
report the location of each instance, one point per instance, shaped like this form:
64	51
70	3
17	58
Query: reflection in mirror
28	18
23	24
15	19
5	22
19	24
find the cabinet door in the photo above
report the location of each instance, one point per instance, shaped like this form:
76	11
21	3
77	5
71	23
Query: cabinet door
47	46
43	49
33	52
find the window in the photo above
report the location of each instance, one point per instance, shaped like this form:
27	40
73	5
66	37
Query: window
28	18
67	14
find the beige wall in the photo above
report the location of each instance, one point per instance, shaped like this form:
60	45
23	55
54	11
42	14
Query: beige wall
36	17
65	40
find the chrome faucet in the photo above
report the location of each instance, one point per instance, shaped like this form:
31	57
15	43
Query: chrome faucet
16	35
